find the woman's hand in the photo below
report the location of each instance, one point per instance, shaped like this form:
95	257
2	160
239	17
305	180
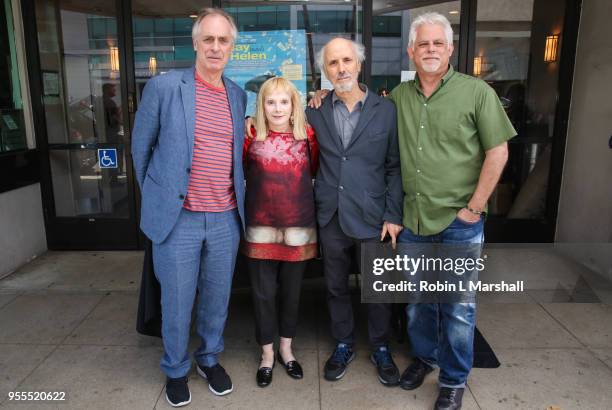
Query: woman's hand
248	123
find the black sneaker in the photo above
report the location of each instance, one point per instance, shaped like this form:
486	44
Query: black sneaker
414	374
388	373
335	367
177	392
218	380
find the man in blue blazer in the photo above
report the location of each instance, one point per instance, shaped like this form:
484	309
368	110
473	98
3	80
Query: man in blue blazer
358	192
187	152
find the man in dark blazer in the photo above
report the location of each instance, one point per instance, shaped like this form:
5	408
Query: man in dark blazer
358	193
187	150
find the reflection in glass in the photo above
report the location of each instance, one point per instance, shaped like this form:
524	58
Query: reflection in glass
507	36
82	188
161	43
502	50
80	49
12	125
79	56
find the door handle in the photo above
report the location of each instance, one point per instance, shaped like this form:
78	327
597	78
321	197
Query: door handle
131	103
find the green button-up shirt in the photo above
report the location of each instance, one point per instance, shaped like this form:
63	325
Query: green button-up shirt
442	141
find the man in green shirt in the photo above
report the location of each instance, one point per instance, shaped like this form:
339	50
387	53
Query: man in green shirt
453	136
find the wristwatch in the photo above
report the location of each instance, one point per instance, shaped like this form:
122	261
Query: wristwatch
474	211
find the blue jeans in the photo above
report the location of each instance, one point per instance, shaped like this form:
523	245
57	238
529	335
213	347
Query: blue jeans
200	253
442	334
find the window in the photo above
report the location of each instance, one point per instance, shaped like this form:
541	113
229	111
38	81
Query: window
509	56
15	119
387	26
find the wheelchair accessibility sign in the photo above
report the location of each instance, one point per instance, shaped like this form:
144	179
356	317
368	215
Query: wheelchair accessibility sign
107	157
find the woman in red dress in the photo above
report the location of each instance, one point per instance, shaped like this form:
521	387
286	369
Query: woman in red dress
280	161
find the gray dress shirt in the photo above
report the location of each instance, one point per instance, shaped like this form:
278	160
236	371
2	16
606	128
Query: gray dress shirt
344	120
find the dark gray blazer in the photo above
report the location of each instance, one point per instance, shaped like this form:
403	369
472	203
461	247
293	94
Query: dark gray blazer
362	182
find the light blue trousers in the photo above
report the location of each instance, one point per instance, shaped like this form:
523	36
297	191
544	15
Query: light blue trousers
199	254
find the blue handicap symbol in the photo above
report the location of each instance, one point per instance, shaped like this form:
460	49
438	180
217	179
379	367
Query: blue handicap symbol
107	157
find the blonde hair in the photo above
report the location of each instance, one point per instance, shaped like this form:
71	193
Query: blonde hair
284	85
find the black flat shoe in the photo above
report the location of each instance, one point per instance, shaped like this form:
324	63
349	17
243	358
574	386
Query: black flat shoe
293	368
264	376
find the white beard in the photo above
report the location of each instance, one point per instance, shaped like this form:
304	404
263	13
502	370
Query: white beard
343	87
431	67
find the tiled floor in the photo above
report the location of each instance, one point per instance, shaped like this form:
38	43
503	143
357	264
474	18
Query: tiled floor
68	318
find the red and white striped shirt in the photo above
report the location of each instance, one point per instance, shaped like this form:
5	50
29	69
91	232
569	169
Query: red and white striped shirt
211	183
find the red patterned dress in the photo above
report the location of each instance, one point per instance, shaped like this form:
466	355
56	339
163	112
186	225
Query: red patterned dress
280	209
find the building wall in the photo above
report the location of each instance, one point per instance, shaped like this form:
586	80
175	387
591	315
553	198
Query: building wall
22	237
585	207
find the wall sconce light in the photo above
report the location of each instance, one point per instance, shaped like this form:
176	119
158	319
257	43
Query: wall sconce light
152	66
477	66
551	48
114	58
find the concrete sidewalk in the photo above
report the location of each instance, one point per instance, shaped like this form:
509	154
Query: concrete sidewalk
67	324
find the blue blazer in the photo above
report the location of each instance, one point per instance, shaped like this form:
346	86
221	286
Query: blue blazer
162	147
362	182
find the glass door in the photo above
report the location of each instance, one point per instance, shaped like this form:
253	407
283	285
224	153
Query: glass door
91	201
516	52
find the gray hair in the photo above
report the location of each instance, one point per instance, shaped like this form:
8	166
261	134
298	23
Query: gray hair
358	48
209	11
430	18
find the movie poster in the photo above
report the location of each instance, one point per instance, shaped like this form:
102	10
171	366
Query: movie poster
259	55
